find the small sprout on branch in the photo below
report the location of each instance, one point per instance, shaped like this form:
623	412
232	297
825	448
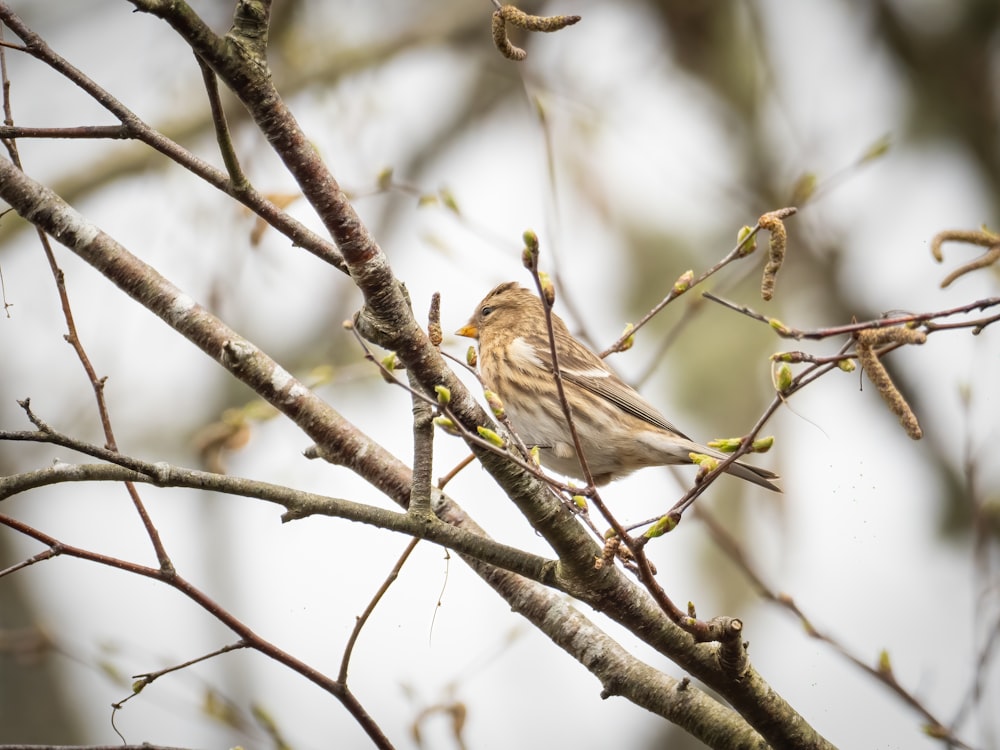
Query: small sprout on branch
780	327
762	445
495	404
629	340
705	464
664	525
847	364
983	238
772	222
782	378
884	664
383	180
517	17
529	256
867	341
746	241
726	445
536	455
580	502
448	199
683	282
391	362
471	356
443	394
490	436
548	288
447	425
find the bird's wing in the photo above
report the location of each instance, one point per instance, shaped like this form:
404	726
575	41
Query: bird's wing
586	370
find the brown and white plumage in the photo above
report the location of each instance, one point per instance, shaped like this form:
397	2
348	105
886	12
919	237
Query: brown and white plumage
618	429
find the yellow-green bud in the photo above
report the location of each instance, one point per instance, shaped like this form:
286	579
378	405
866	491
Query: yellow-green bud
762	445
629	341
683	282
443	394
580	502
778	326
783	378
705	462
536	455
663	526
447	425
746	241
471	356
384	179
847	365
884	664
495	403
726	445
548	288
489	436
529	256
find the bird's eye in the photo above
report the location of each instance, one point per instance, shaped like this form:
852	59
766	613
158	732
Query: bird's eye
485	311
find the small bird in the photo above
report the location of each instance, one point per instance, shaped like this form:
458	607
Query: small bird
619	430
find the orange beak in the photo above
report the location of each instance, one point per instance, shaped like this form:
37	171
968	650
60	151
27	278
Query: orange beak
468	330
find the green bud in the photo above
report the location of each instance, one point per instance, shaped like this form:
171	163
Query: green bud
783	378
529	256
536	455
447	425
548	288
762	445
489	436
704	462
390	362
884	664
726	445
847	365
629	342
530	240
495	403
663	526
580	502
780	327
746	240
683	282
783	357
443	394
384	179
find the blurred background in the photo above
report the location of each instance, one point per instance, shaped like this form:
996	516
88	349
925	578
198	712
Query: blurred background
636	144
